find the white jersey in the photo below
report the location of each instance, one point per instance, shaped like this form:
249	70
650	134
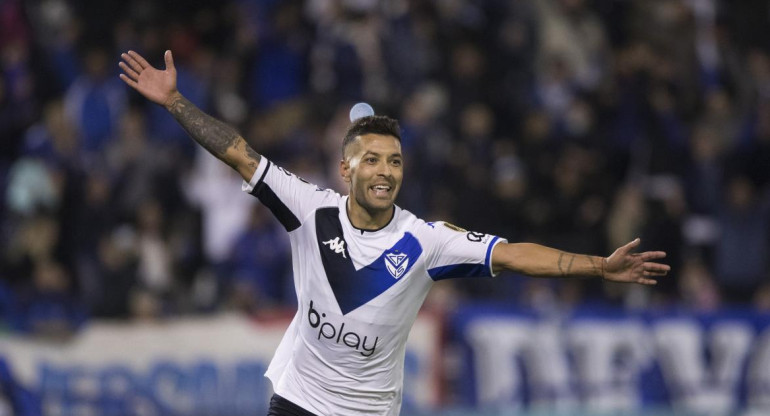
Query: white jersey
358	294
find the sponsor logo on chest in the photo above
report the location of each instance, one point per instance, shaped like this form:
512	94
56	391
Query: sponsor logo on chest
336	333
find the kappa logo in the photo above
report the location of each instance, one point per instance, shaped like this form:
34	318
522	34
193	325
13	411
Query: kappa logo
396	263
337	245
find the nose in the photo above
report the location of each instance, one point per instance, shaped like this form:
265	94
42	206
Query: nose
384	169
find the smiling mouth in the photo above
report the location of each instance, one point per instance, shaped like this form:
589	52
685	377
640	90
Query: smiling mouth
381	191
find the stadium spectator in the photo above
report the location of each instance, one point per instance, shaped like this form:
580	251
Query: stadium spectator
258	264
94	102
744	222
49	308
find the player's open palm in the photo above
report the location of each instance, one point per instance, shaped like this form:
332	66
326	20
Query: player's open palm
158	86
625	266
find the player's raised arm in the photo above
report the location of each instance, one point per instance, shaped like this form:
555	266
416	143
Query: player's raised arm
540	261
159	86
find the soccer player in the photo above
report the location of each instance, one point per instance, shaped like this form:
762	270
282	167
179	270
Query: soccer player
362	265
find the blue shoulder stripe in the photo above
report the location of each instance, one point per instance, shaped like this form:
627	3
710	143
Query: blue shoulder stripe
453	271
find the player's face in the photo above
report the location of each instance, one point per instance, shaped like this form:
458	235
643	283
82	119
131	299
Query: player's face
373	167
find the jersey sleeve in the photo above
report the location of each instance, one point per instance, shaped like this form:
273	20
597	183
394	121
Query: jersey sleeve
455	252
289	197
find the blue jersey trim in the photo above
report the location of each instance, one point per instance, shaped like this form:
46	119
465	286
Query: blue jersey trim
453	271
488	259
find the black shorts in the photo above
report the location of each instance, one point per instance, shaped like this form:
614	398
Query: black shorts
282	407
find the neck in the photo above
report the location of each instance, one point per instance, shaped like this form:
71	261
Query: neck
369	220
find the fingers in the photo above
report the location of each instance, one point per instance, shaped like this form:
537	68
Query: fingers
630	246
651	272
655	269
133	63
652	255
130	72
129	81
138	58
169	61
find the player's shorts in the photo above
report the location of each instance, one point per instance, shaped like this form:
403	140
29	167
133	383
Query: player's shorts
282	407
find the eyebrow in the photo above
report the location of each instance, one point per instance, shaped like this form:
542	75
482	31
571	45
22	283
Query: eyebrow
369	152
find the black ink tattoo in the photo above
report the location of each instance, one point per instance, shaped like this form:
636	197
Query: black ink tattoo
214	135
596	269
571	260
253	156
565	270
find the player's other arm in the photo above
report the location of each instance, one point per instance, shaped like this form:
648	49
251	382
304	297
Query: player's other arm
159	86
540	261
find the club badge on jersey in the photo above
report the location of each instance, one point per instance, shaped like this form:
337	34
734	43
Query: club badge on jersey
396	263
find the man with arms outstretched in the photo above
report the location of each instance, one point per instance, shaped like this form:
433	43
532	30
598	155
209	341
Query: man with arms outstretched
362	265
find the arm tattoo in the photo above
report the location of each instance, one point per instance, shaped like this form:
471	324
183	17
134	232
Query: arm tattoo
565	269
596	269
214	135
571	260
254	157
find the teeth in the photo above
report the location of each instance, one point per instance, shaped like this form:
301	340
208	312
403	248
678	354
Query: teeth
381	187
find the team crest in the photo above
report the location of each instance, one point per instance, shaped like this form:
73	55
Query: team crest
396	263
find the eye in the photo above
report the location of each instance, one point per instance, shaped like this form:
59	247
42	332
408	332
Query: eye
371	160
396	162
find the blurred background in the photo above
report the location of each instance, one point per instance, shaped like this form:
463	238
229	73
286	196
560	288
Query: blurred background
579	124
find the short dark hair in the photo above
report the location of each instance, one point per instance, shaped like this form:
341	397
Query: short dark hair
371	125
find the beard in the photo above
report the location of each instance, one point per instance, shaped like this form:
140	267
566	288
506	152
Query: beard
367	199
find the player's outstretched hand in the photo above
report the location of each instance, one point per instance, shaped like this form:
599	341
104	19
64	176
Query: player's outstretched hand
625	266
158	86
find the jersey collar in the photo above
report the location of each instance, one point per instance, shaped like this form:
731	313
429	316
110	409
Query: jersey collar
345	218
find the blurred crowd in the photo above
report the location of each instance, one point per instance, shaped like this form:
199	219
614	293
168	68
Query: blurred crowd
580	124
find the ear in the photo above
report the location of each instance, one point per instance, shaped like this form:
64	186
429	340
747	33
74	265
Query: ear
345	170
